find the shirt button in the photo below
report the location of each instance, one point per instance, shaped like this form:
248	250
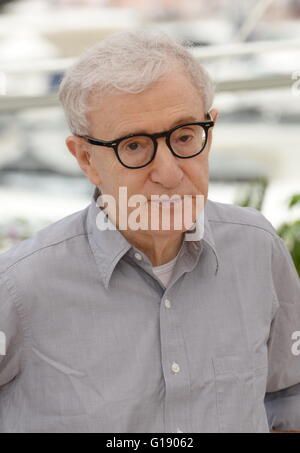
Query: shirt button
138	256
167	303
175	367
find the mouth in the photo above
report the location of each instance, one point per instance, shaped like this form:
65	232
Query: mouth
167	202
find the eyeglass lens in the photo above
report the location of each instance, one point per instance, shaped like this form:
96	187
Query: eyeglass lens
185	141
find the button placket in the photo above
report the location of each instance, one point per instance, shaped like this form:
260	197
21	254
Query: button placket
138	256
175	367
177	379
167	303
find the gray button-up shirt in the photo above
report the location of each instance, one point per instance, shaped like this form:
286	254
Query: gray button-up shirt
95	343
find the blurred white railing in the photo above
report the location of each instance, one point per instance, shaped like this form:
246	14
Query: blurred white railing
209	53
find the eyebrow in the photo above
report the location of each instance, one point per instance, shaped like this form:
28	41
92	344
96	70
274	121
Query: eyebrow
186	119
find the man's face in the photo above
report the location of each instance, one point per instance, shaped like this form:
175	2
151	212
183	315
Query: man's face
167	103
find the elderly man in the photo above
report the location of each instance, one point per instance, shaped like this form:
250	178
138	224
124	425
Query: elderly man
188	328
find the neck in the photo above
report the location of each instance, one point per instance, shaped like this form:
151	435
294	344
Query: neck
159	248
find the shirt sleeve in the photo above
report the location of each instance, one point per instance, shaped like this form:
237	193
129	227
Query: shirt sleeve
282	400
10	334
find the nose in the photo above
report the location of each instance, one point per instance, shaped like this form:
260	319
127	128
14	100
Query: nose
165	168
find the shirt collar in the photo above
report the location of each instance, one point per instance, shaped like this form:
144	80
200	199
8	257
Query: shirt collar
109	245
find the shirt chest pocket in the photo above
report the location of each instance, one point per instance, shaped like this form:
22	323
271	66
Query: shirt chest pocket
237	399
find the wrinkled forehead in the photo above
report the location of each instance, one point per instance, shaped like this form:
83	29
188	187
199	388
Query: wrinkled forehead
164	101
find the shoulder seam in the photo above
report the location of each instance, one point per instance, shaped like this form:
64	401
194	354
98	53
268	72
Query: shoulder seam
273	234
37	250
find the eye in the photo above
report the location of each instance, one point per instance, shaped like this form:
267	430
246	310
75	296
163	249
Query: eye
185	138
132	146
135	144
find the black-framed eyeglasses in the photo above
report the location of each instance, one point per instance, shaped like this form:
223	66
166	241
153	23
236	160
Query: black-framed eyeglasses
138	150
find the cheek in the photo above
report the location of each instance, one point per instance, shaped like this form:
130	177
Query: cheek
198	171
114	176
106	166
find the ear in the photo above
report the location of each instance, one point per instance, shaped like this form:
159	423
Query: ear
214	114
82	151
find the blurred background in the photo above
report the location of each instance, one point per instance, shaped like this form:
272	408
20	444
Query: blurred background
251	49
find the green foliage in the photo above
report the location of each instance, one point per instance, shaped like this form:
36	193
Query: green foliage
295	199
290	233
253	194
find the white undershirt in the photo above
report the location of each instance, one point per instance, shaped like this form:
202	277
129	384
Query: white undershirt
164	271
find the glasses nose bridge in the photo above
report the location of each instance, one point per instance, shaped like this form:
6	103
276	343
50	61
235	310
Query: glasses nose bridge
165	134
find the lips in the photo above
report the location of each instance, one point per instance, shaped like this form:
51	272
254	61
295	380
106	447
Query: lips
171	200
167	202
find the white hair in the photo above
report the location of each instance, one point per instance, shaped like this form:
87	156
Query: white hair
128	61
